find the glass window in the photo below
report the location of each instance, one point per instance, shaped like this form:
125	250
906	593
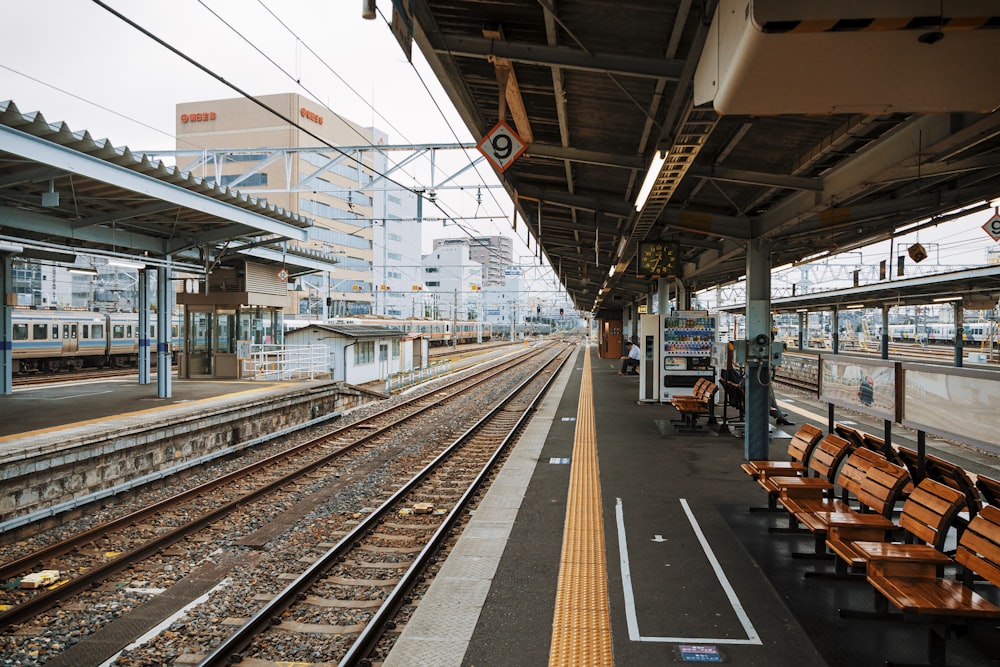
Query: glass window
73	331
85	331
118	331
395	349
383	352
97	330
39	331
364	352
225	332
20	331
66	332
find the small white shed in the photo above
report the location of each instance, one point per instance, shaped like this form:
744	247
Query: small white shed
363	353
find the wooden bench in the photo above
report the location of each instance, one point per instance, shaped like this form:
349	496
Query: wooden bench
823	463
875	484
799	448
944	472
920	594
927	515
990	488
701	403
696	391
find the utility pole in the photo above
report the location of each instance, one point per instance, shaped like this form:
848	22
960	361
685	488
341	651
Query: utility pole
454	322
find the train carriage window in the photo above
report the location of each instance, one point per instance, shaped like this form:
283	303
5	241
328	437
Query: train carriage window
97	330
19	331
73	331
39	331
55	331
84	331
128	330
118	331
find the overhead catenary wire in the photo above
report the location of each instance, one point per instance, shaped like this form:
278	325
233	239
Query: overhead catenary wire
291	122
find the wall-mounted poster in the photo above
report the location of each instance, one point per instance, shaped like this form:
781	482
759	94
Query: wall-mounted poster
957	403
859	383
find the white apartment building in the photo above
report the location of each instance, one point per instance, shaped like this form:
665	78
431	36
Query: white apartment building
495	253
453	283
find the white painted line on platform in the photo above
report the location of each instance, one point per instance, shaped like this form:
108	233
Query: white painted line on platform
631	618
63	398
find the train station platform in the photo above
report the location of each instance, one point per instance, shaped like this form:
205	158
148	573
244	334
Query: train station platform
673	566
67	444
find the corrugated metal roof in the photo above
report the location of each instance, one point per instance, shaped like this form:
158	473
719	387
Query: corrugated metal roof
351	331
67	190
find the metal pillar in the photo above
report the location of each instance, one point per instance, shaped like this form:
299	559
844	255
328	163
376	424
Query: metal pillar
884	342
756	436
663	296
959	333
6	326
144	363
164	307
835	330
803	323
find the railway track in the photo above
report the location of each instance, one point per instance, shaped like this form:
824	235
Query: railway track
183	524
398	539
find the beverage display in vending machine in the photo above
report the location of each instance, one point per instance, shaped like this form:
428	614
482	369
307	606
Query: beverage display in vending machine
686	351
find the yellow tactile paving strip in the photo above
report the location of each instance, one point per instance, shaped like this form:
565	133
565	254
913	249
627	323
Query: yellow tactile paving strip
581	628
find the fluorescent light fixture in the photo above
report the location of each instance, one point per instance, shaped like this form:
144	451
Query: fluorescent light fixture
611	271
126	264
855	306
82	271
801	310
947	298
659	159
12	248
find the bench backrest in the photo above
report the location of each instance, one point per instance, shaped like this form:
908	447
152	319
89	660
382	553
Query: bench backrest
979	548
802	443
734	394
990	488
882	485
854	471
945	472
930	510
827	456
850	434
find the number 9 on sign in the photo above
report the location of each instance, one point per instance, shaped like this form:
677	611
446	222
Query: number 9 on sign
992	227
501	146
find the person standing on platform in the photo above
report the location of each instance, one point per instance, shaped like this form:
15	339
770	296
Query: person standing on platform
631	360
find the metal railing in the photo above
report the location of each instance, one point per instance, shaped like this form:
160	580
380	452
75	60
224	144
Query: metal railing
403	379
287	362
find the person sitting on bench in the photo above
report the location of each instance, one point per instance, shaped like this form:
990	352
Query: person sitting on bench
631	360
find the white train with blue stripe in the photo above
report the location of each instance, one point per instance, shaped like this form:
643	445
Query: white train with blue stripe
52	340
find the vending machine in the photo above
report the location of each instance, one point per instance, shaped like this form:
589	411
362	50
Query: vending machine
687	341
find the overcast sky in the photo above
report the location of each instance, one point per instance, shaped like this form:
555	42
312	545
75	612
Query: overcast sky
75	61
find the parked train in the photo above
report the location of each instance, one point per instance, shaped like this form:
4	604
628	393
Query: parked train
938	333
438	331
52	340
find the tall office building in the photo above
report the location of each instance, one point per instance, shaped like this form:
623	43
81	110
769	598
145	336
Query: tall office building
495	253
367	222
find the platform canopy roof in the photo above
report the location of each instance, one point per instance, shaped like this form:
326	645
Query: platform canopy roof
64	193
799	124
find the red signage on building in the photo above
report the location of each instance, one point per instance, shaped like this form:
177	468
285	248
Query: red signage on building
311	115
197	117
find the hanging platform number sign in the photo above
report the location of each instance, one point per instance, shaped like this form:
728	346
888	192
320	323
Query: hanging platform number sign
283	275
501	146
992	225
